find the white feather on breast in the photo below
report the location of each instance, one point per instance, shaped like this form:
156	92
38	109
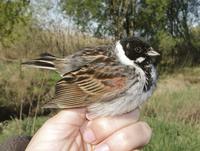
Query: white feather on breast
121	55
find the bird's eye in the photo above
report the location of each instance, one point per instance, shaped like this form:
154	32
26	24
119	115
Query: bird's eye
138	49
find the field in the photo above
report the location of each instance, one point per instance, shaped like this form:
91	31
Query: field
173	112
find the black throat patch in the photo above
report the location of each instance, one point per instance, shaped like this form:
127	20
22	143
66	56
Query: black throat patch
149	79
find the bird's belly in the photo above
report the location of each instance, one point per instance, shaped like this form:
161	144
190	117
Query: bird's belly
129	101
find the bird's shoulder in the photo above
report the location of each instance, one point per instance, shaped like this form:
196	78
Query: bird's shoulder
91	54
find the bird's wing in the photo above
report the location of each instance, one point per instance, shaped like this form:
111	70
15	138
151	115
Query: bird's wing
91	84
83	57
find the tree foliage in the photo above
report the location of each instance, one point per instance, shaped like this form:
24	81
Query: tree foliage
12	12
122	18
102	17
155	20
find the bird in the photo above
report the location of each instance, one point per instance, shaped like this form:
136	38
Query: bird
107	80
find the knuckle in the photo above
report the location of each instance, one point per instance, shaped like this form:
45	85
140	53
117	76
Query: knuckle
101	128
103	125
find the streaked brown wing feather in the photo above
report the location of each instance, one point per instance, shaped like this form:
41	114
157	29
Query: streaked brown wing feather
92	54
87	85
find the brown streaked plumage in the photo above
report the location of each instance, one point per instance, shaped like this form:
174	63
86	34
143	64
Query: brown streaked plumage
89	84
108	80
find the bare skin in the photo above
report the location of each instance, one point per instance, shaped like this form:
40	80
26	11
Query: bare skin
70	130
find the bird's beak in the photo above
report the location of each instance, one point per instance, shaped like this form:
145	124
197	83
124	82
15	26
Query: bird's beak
152	52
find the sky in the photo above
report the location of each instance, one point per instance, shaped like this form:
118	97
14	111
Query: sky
49	13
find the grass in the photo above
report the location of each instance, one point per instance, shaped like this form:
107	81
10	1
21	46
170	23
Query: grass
17	127
23	88
172	136
23	91
173	112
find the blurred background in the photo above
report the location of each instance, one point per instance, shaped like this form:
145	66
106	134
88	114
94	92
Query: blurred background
60	27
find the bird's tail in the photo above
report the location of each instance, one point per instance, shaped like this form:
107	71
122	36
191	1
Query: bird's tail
45	61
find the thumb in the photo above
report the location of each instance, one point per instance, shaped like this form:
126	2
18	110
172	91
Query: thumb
58	128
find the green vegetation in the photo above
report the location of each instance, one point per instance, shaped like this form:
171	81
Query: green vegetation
167	24
173	111
172	136
13	15
25	127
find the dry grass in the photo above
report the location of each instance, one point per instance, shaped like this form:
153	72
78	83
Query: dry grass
25	85
23	91
173	111
57	41
177	97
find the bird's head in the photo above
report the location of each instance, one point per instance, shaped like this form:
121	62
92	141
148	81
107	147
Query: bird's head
138	51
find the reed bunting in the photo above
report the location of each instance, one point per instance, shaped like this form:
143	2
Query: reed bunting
107	80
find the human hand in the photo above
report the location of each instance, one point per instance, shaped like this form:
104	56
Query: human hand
70	130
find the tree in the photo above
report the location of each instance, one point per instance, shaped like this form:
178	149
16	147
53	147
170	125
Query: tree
103	17
12	12
156	20
119	18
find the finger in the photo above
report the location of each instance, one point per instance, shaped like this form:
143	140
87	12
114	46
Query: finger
101	128
65	121
132	137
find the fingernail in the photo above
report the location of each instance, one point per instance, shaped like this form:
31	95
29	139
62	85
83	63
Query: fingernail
103	147
89	136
